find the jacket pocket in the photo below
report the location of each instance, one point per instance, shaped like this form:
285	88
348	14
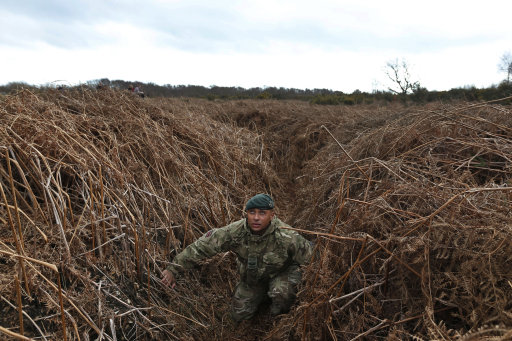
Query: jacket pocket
273	263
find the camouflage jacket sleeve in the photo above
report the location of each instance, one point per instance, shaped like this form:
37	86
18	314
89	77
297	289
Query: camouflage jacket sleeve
208	245
301	249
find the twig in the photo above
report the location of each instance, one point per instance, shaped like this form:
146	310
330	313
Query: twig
383	164
391	323
403	213
186	318
14	335
15	201
149	193
131	311
346	153
27	316
341	202
55	269
100	312
20	305
99	246
48	265
362	290
61	303
338	311
75	326
449	201
102	206
330	235
383	323
113	329
19	163
138	310
395	257
91	207
58	220
19	248
481	104
45	237
344	277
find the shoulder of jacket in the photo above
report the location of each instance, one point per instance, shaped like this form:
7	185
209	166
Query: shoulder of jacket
235	229
286	233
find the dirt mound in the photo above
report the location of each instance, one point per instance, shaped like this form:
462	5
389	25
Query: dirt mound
428	197
99	186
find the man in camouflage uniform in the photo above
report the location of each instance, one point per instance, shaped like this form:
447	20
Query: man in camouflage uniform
268	258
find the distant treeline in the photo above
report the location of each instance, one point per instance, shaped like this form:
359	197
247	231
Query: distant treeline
315	96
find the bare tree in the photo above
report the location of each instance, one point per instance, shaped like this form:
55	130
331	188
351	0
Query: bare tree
505	65
398	73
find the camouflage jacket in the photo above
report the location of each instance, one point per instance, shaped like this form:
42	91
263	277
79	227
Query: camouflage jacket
259	257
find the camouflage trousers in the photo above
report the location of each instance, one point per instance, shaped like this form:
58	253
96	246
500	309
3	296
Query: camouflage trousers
281	289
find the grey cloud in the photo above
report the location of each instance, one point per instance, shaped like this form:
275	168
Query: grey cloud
189	25
69	23
59	23
57	10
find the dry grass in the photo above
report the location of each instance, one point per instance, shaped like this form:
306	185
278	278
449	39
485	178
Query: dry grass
431	194
102	188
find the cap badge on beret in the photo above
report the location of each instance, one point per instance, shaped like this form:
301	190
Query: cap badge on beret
261	201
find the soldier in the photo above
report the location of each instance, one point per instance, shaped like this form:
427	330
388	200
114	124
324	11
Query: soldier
268	258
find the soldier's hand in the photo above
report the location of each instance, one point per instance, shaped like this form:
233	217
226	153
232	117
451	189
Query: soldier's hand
168	279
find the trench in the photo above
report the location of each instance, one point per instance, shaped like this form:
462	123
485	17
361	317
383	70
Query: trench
124	184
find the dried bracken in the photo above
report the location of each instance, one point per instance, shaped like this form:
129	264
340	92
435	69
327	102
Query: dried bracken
431	194
410	209
102	188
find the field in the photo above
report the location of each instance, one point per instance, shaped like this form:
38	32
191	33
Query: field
409	208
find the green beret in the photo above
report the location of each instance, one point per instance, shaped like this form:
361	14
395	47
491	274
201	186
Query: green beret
261	201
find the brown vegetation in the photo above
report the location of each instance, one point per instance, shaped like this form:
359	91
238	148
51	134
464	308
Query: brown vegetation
409	208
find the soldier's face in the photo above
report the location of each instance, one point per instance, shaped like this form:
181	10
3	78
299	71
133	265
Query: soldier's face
258	220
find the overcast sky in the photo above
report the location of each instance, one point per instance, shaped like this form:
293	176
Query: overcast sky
339	45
